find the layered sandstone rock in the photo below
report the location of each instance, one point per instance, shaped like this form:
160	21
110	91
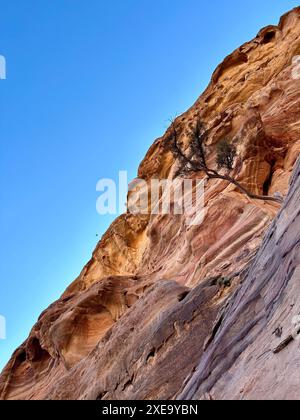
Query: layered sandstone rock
151	300
255	351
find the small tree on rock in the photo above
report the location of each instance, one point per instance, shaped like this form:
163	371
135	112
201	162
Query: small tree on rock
194	160
226	153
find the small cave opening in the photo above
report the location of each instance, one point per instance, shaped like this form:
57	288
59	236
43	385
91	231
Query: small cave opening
21	358
268	181
268	37
151	355
183	295
35	352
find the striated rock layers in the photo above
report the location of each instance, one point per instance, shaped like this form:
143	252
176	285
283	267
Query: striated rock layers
150	316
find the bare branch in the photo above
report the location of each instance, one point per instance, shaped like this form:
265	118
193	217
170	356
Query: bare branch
196	161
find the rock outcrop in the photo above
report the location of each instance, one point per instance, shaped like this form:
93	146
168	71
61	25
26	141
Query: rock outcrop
153	297
254	353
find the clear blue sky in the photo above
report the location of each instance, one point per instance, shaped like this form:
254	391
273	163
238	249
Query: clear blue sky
90	85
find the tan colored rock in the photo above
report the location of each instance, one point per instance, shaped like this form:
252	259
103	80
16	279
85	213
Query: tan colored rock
151	297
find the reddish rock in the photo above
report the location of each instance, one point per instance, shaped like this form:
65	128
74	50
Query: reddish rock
150	317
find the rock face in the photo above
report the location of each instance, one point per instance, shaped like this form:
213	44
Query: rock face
149	316
254	352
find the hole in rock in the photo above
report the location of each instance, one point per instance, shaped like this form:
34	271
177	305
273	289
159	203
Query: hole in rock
269	37
151	355
21	358
34	350
183	295
268	181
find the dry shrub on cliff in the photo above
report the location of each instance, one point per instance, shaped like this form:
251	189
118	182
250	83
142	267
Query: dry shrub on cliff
194	160
226	153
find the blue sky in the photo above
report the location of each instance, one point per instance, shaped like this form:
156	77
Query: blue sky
90	85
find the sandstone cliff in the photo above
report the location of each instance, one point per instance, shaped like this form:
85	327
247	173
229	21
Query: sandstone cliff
148	317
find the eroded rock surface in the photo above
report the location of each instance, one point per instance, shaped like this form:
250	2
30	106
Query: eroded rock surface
150	317
251	355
